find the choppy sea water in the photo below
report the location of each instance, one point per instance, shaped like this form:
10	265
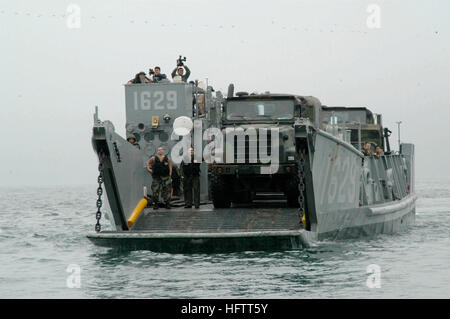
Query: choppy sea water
43	244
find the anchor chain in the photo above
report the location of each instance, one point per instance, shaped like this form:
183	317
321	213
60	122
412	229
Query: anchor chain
99	203
301	184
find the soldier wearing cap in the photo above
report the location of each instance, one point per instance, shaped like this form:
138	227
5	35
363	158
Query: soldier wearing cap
140	78
191	180
160	166
132	139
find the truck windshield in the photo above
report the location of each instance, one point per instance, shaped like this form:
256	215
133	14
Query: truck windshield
260	110
347	116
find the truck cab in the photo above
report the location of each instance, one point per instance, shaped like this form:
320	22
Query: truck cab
260	154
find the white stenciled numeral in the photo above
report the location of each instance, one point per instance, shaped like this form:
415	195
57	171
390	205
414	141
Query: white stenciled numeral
374	19
145	101
159	96
171	100
156	100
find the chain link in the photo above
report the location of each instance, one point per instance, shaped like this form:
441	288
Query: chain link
301	184
99	203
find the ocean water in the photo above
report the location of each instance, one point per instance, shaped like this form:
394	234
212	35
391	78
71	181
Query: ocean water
44	253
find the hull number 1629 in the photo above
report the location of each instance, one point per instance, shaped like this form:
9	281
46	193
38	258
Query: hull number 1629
155	100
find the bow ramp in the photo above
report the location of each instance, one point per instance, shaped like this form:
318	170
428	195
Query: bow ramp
208	229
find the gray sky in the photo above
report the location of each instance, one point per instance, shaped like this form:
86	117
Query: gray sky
53	76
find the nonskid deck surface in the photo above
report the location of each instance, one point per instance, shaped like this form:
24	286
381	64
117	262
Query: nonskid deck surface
267	216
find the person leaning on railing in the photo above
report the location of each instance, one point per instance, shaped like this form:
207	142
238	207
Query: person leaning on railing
157	75
131	138
366	149
379	151
140	78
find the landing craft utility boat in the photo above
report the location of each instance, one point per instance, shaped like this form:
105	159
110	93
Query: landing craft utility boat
278	171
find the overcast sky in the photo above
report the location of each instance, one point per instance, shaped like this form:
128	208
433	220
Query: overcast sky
52	76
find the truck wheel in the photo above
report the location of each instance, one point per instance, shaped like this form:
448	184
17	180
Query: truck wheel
292	193
292	199
242	197
219	193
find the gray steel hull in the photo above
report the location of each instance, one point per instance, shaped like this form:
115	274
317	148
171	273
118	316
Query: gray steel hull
347	196
366	223
352	196
202	242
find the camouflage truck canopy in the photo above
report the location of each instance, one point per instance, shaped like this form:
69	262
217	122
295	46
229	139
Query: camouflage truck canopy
364	125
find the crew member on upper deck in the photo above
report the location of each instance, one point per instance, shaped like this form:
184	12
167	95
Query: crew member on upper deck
157	75
178	73
140	78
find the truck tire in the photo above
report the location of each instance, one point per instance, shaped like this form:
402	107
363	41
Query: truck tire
292	193
219	193
292	200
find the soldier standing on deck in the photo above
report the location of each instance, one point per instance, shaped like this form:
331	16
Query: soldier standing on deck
160	166
191	181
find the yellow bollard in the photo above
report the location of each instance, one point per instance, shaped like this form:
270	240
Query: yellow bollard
136	212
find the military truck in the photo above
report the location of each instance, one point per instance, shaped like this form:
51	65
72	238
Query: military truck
360	123
247	119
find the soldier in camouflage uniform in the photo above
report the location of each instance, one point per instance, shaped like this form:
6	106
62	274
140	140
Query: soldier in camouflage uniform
160	166
379	151
191	181
132	139
366	149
